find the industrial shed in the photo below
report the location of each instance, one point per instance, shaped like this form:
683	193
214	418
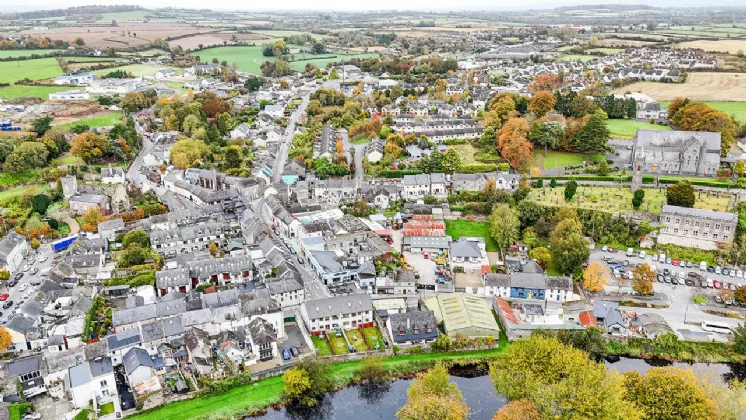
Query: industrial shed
463	314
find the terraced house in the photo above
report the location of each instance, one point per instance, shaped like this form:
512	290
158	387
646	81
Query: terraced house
190	238
220	271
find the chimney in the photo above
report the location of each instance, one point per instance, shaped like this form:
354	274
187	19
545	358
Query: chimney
407	323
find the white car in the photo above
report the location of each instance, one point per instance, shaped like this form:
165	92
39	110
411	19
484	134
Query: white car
43	258
26	267
23	287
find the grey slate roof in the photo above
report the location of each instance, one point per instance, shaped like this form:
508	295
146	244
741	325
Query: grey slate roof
337	305
128	316
100	366
170	307
676	139
420	320
113	224
172	326
25	365
79	375
134	358
283	286
152	331
497	280
528	280
559	283
172	278
261	332
465	249
220	299
705	214
123	339
196	317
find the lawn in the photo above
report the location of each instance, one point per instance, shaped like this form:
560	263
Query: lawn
338	343
555	159
321	346
611	199
37	69
574	57
606	51
466	152
736	109
627	129
69	160
103	120
137	70
459	228
20	91
24	53
20	190
356	339
374	337
107	408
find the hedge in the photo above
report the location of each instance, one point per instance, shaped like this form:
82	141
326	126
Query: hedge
626	178
700	182
455	142
476	168
400	174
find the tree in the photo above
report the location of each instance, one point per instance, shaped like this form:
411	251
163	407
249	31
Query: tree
603	168
668	393
637	198
541	103
392	149
136	237
570	188
40	203
232	158
225	123
185	153
279	48
133	102
740	295
560	381
593	42
451	161
89	146
28	155
698	116
4	274
133	255
541	255
35	244
252	84
681	194
79	41
643	278
5	340
595	277
546	135
214	250
42	124
739	169
593	136
504	225
334	75
92	216
213	135
296	384
433	397
739	338
568	247
518	410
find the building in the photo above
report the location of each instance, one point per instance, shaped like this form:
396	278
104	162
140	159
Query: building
29	372
418	186
340	312
286	292
138	365
609	317
83	78
374	150
219	271
496	284
676	152
13	248
467	255
70	95
477	182
526	285
462	314
697	228
92	380
263	339
79	203
112	175
109	229
412	327
430	244
165	73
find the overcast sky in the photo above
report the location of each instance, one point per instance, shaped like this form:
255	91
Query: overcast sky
331	5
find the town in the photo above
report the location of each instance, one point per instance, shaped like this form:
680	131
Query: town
217	214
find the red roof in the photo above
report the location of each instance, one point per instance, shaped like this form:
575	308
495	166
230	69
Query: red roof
587	319
506	310
210	289
486	269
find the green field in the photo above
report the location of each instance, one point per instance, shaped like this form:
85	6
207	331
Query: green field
20	190
103	120
19	91
574	57
147	53
136	69
125	16
69	160
459	228
627	129
91	59
374	337
555	159
606	51
282	34
300	65
610	199
736	109
37	69
24	53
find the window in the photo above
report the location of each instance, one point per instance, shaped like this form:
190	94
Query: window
696	233
401	331
676	230
696	224
416	330
714	236
104	384
704	235
686	222
717	226
686	231
668	219
429	329
707	225
727	228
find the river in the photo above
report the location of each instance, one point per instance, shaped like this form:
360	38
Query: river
382	402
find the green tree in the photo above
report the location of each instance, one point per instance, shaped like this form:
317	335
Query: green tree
232	158
665	393
4	274
560	381
334	75
739	169
593	136
570	188
487	142
739	338
504	225
40	203
213	135
546	135
553	183
27	155
35	244
568	247
603	168
541	255
297	385
136	237
681	194
637	198
133	255
252	84
451	161
433	397
42	124
518	410
225	123
133	102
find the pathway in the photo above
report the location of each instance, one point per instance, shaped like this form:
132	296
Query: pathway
74	226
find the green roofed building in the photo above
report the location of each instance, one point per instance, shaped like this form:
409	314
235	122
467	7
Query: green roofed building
463	314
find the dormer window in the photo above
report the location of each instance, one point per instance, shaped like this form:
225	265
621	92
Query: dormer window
416	330
401	331
429	329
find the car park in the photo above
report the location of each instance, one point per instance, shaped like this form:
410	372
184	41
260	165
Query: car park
26	267
716	284
725	271
655	257
703	266
294	352
675	262
718	270
605	248
18	276
669	260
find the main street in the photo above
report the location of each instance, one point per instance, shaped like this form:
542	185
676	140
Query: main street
287	139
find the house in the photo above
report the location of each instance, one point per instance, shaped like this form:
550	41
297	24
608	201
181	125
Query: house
29	372
165	74
609	317
242	131
374	150
263	339
79	203
525	285
400	282
467	255
70	95
112	175
496	284
340	312
109	229
92	380
274	111
221	271
558	288
462	314
413	327
420	185
477	182
286	292
654	325
82	78
13	249
431	244
697	228
326	142
138	365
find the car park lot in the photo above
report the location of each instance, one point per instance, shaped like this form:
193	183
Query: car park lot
24	283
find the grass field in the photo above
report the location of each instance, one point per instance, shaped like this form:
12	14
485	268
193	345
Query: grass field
91	59
20	190
136	69
356	339
716	87
103	120
125	16
24	53
575	57
300	65
555	159
321	346
69	160
459	228
466	152
282	34
627	129
147	53
19	91
374	337
611	199
37	69
606	51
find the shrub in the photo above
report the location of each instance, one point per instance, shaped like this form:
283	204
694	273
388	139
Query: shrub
476	168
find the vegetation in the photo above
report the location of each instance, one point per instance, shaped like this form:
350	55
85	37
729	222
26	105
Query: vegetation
459	228
432	397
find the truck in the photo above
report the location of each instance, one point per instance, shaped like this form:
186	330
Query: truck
63	243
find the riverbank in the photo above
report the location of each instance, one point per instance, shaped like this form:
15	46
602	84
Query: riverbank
256	397
671	349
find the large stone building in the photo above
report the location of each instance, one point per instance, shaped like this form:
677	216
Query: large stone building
670	152
696	228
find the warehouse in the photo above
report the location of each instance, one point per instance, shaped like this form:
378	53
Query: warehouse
463	314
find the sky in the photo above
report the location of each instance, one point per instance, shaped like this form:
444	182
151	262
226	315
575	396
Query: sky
347	5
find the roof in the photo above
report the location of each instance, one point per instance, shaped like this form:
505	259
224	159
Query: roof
587	319
9	243
705	214
459	311
438	242
25	365
152	331
465	249
134	358
220	299
506	310
261	331
128	316
123	339
334	306
655	324
497	280
413	320
650	139
88	198
283	286
100	366
79	375
559	283
528	280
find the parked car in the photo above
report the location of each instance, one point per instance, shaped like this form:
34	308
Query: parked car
739	274
682	281
667	279
301	260
725	271
660	278
718	299
4	297
43	258
18	276
710	283
604	248
666	271
642	254
718	270
12	283
710	269
612	250
285	354
655	257
292	250
26	267
668	260
7	304
689	264
716	284
675	262
23	287
703	266
294	352
630	252
703	283
34	271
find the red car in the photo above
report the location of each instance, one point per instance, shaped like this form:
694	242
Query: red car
4	297
716	284
612	250
675	262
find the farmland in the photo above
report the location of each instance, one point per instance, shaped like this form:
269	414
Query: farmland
194	42
24	53
20	91
732	46
626	129
698	86
575	57
135	69
37	69
282	34
605	51
737	109
128	34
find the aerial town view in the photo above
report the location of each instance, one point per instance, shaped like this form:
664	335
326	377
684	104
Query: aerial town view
384	210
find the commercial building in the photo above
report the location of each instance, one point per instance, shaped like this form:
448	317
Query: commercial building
462	314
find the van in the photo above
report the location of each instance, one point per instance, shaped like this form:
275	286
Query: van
709	283
703	266
643	254
630	252
662	258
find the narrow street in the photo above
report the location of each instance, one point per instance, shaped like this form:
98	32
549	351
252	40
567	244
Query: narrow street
287	139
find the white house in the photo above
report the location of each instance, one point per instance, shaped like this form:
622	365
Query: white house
112	175
70	95
348	312
93	380
468	255
74	79
165	73
137	365
13	248
275	111
286	292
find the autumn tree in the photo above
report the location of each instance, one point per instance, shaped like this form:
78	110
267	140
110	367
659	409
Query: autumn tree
340	147
541	103
561	381
91	218
550	82
541	255
643	278
518	410
451	161
392	149
296	385
433	397
186	152
35	244
595	277
513	142
502	106
740	295
740	169
5	340
133	102
668	393
698	116
89	146
504	225
681	194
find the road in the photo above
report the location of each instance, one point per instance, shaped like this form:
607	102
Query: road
133	173
359	153
15	293
287	140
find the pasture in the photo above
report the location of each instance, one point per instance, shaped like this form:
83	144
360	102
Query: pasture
20	91
136	69
627	129
716	87
101	120
555	159
24	53
605	51
575	57
282	34
732	46
37	69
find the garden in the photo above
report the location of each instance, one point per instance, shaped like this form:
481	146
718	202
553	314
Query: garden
374	336
459	228
338	342
322	346
356	339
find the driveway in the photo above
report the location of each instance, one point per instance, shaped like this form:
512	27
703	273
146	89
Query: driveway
294	339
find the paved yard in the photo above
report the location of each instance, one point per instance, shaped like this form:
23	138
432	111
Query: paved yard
426	267
50	409
472	279
294	339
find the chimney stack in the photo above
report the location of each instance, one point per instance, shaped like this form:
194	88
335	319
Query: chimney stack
407	323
